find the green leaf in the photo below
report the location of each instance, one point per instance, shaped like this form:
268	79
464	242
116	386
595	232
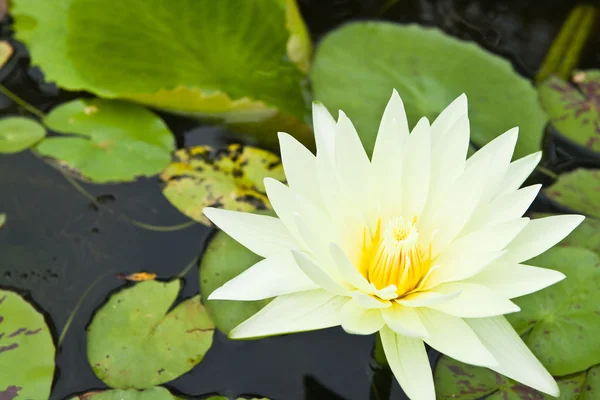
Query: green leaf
357	66
26	350
578	190
591	389
458	381
156	393
574	110
230	178
239	398
111	140
18	134
223	260
134	343
586	235
206	57
562	322
6	51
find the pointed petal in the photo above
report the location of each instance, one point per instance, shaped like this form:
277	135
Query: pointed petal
283	201
318	275
518	171
405	321
300	167
297	312
427	298
449	116
273	276
416	168
515	360
324	127
539	235
360	321
347	270
515	280
367	301
409	363
261	234
453	336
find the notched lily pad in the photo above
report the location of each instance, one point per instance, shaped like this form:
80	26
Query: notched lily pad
26	350
134	343
578	190
457	381
574	110
156	393
562	321
110	140
357	66
18	134
230	178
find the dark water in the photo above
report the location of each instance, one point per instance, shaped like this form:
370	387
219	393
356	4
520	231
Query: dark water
57	244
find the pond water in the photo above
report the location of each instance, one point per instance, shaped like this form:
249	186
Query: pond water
66	252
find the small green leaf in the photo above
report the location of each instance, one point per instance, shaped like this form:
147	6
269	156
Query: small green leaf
458	381
230	178
18	134
578	190
357	66
6	51
575	110
562	322
156	393
591	390
134	343
223	260
111	140
26	350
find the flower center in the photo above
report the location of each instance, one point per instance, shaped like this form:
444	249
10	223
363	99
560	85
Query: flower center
392	256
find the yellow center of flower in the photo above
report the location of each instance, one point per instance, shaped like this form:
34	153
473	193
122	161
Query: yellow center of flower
392	256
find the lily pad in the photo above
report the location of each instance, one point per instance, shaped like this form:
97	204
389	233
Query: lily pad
134	343
578	190
592	384
586	235
111	140
156	393
26	350
230	178
217	58
239	398
562	322
6	52
357	66
223	260
459	381
574	110
18	134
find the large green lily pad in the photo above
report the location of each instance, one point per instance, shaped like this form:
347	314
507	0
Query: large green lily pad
134	343
18	134
578	190
111	140
562	322
574	110
223	260
586	235
458	381
230	178
592	384
26	350
357	66
226	58
156	393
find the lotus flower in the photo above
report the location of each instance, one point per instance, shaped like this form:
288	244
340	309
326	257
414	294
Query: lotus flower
419	244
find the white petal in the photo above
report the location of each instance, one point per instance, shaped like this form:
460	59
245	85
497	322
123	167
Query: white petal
283	201
427	298
474	301
273	276
539	235
518	171
347	270
453	336
320	277
409	363
360	321
324	127
515	280
261	234
405	321
515	360
367	301
297	312
449	116
416	170
300	167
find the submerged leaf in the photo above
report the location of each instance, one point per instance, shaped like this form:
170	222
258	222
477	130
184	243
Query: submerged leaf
156	393
578	190
26	350
357	66
230	178
134	343
18	134
111	140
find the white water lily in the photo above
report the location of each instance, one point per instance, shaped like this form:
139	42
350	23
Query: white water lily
419	244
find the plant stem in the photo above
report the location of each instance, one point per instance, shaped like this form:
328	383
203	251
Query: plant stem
21	102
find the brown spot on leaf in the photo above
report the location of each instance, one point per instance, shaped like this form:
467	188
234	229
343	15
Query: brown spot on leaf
10	393
457	370
138	276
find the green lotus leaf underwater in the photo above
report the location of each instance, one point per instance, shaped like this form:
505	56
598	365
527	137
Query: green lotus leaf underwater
577	190
19	133
155	393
